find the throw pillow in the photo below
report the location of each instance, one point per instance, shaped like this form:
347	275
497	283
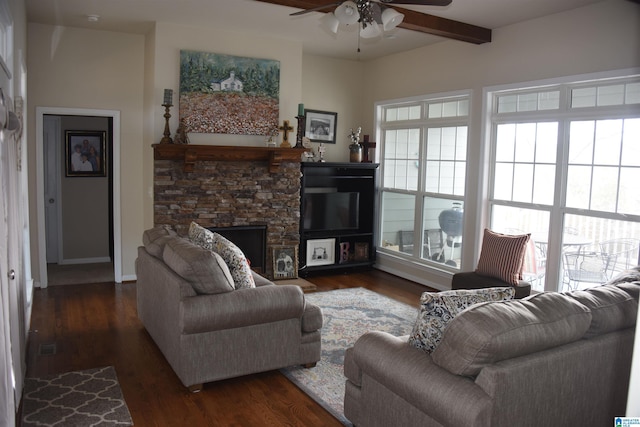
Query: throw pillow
502	256
438	309
204	269
230	253
201	236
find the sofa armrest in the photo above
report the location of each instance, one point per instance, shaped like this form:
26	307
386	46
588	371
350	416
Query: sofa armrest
260	280
411	374
242	307
312	318
473	280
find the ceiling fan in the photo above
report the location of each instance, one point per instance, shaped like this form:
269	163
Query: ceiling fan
413	20
417	2
374	16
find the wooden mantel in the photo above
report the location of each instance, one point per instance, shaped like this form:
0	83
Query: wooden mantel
190	154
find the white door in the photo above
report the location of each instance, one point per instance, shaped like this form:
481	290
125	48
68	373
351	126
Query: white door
51	135
6	281
12	324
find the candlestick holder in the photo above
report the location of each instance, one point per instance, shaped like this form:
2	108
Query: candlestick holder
302	123
167	133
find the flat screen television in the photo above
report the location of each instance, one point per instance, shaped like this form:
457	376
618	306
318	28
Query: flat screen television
331	211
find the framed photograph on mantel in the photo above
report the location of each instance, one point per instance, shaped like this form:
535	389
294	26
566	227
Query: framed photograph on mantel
85	153
321	126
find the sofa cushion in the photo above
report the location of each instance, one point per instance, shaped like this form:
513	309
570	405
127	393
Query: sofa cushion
502	256
630	275
155	238
152	234
611	309
437	309
204	269
490	332
230	253
631	288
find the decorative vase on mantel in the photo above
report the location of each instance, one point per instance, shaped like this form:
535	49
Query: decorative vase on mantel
355	149
355	153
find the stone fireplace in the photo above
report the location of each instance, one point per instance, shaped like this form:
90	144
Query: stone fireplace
220	187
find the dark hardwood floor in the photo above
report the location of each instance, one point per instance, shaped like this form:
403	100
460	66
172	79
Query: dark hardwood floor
96	325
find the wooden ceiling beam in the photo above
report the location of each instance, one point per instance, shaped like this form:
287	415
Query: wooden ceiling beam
415	21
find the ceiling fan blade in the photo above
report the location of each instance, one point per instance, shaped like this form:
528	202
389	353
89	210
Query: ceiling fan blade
418	2
326	6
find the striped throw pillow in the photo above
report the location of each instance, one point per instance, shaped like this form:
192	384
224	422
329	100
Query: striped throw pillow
502	256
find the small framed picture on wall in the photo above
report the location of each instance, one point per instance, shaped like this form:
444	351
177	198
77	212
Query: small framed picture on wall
85	153
321	126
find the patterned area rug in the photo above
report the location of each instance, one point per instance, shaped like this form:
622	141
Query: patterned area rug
348	313
75	399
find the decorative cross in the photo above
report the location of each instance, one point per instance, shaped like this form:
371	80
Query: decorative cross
367	145
285	129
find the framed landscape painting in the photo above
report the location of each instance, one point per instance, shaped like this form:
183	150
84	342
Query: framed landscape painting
228	94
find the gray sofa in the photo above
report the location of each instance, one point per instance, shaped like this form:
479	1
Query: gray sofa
225	333
550	359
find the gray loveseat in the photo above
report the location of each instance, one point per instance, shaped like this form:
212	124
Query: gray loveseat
547	360
226	333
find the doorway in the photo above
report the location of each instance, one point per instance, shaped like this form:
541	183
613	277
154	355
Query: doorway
53	245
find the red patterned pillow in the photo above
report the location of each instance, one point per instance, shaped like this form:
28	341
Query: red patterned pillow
502	256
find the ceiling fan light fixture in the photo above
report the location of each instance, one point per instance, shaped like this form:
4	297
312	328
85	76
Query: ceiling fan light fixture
370	31
391	18
347	13
330	23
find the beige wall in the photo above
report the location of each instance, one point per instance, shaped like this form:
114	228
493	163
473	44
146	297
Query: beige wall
85	201
335	85
597	38
76	68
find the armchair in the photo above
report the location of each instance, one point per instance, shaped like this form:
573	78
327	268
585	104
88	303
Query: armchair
473	280
209	331
501	264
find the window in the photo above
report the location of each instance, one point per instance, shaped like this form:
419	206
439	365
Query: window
424	162
564	162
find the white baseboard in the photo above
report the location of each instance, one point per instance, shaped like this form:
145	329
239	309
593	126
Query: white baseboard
129	278
413	271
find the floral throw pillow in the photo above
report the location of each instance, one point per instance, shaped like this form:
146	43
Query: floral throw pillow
437	309
230	253
201	236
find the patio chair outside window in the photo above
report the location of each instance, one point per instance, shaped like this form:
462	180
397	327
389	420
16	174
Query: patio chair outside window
585	266
535	263
432	245
621	254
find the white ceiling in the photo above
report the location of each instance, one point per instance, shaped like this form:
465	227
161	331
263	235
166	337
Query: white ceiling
138	16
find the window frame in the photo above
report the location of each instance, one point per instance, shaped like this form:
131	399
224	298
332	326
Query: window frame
423	124
564	116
